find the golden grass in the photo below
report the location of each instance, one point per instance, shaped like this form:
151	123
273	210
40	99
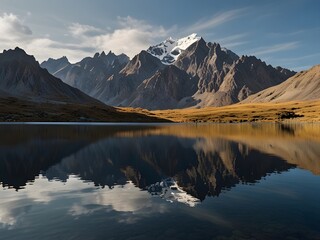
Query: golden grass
15	110
304	111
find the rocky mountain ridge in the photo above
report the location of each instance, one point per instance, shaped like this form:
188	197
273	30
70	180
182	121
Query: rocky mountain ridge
22	77
201	74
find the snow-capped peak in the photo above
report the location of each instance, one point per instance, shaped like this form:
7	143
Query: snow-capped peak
169	50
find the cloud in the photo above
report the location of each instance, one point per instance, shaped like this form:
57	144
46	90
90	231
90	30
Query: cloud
275	48
129	202
130	37
43	48
78	30
216	20
13	28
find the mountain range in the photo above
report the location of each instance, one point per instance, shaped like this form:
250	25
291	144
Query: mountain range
184	73
21	76
30	93
188	72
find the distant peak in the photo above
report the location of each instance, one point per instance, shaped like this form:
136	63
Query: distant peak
169	50
111	54
64	58
103	54
17	50
17	54
244	58
96	55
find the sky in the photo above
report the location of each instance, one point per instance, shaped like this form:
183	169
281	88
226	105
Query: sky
280	32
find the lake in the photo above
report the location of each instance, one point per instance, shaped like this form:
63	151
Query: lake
159	181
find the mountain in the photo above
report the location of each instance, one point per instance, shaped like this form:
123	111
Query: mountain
169	88
30	93
223	77
118	90
246	76
21	76
87	74
55	65
188	72
204	74
302	86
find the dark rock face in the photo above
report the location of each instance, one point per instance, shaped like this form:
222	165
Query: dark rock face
22	77
166	89
248	75
208	63
119	88
223	77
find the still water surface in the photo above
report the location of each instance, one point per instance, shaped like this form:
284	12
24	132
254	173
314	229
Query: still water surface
226	181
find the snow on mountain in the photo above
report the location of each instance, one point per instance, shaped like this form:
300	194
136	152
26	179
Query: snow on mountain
169	190
169	50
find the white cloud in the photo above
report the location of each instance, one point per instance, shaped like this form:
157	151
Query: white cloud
13	28
43	48
130	203
129	37
78	30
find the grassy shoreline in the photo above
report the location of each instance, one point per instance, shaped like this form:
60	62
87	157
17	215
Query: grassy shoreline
308	111
14	110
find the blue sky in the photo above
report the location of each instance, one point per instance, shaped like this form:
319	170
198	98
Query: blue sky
280	32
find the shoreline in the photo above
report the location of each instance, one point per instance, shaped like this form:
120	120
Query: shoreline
287	112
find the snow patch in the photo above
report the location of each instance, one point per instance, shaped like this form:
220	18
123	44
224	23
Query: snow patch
169	50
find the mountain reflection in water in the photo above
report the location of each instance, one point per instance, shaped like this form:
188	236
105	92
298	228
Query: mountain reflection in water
120	181
202	159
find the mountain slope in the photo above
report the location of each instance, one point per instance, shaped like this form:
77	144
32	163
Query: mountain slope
223	77
22	77
302	86
118	89
166	89
246	76
30	93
